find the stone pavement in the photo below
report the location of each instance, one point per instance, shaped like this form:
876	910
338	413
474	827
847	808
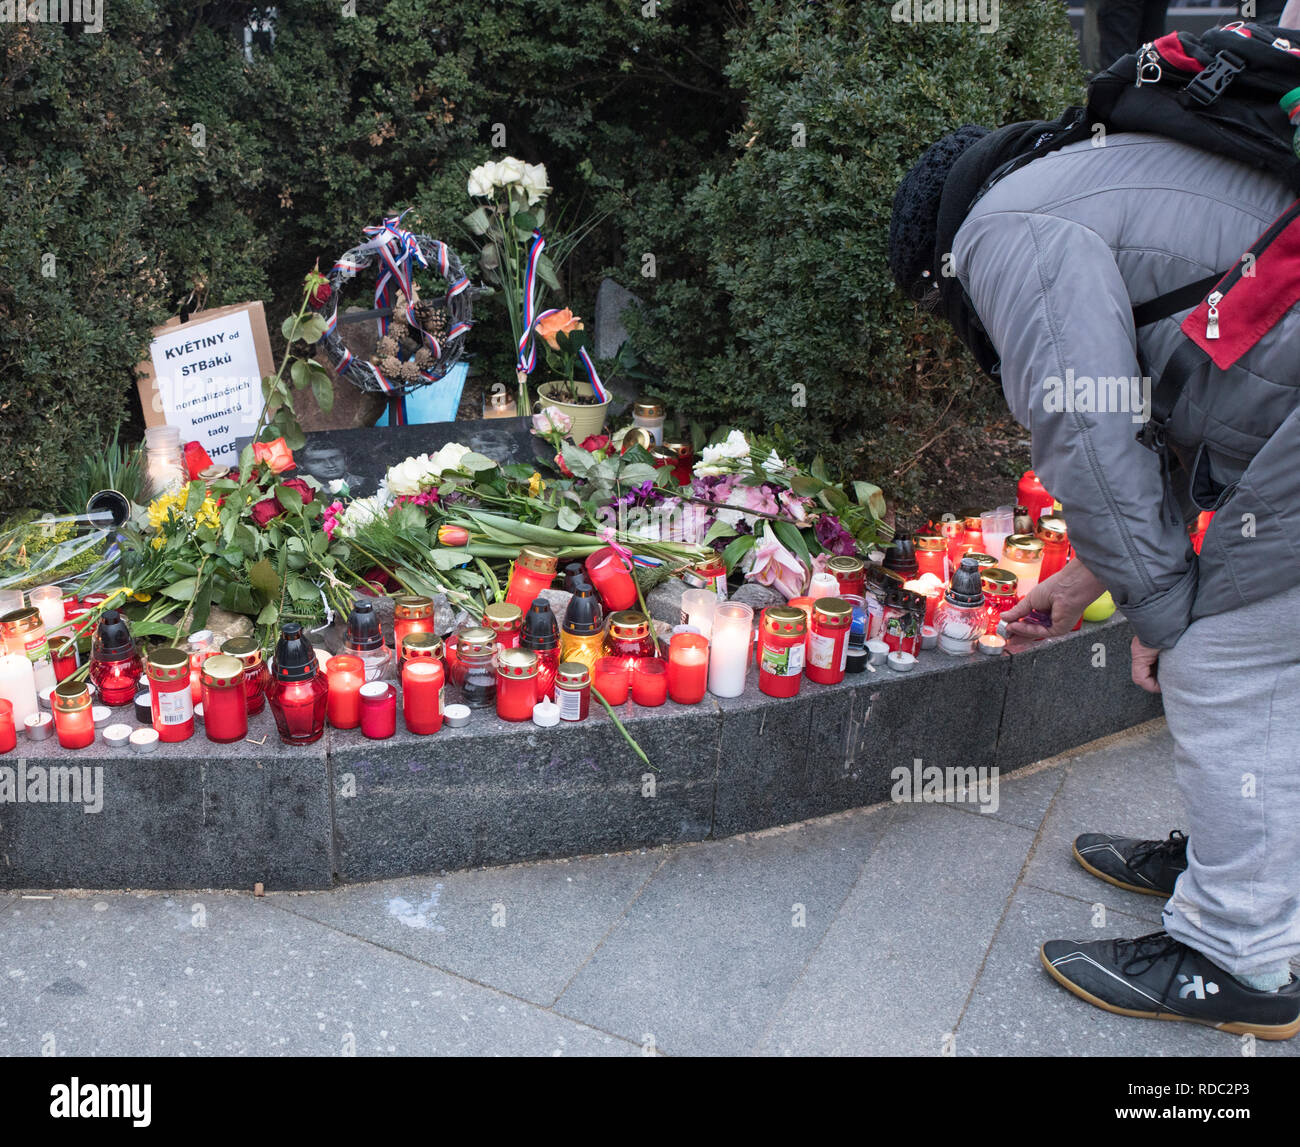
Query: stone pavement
899	930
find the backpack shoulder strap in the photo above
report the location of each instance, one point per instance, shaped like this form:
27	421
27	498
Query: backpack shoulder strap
1171	302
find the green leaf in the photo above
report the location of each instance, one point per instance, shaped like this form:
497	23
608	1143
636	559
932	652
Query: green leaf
294	438
202	606
300	589
182	568
719	529
311	329
568	518
806	486
636	474
270	614
477	221
546	272
182	590
323	389
577	459
194	498
737	550
262	577
789	535
525	222
872	497
289	498
300	374
818	468
288	328
449	557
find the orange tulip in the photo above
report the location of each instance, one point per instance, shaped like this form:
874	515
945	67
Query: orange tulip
548	326
275	454
453	535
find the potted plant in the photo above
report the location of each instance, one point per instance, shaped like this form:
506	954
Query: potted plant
565	340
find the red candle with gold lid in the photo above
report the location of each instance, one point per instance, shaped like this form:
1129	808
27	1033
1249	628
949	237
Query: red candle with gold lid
170	702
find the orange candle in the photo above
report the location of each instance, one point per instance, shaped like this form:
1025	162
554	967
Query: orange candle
688	668
345	674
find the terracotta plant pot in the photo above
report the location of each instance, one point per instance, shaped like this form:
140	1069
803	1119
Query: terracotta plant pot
587	420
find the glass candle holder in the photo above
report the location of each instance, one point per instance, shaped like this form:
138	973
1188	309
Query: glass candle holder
225	704
164	461
47	600
850	574
823	585
1055	537
533	571
516	684
505	620
115	663
628	635
1022	555
472	671
365	639
200	647
418	647
649	416
412	613
1000	595
730	644
344	674
249	654
10	600
8	730
611	577
650	681
23	632
782	641
828	640
573	690
612	679
710	574
171	707
996	526
422	696
931	556
73	722
378	710
698	607
688	668
297	692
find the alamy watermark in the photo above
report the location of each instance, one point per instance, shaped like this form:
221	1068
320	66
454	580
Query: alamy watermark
981	12
88	13
23	783
1106	394
931	784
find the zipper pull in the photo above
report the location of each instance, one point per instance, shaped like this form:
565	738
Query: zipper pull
1212	319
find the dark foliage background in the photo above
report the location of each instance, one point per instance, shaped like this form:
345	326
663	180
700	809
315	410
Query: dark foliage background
748	149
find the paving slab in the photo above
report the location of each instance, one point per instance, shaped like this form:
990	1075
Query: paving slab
525	929
1018	1009
1126	788
703	958
1023	797
221	974
896	968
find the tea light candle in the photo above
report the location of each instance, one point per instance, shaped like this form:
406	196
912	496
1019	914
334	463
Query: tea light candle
101	715
733	638
47	600
877	651
144	740
117	736
929	637
457	715
612	679
901	662
39	726
688	668
18	685
43	698
823	585
650	681
546	714
992	644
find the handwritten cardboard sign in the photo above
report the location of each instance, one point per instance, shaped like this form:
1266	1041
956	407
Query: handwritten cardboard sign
204	377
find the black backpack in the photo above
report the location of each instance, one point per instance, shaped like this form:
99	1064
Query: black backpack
1221	92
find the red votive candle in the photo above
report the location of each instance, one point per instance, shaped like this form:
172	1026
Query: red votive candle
828	642
225	702
345	675
611	577
249	653
534	570
688	668
412	613
782	640
73	721
298	692
8	733
422	695
170	703
650	681
516	684
613	679
378	710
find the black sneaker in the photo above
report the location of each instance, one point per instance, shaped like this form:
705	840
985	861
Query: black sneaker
1147	866
1160	978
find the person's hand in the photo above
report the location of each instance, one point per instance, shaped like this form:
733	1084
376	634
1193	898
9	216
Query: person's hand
1063	596
1144	666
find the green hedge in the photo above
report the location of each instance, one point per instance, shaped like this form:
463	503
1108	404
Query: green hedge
163	171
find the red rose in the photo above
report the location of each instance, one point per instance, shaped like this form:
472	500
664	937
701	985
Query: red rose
268	508
594	442
321	295
563	466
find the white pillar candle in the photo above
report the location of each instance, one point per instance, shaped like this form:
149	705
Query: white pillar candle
47	600
823	585
733	625
18	686
698	607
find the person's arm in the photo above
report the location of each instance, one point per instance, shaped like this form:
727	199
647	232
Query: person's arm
1057	309
1290	15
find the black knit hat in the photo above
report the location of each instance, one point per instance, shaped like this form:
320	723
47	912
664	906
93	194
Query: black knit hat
914	224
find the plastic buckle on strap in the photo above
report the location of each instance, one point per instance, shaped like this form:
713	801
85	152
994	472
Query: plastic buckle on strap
1152	436
1214	80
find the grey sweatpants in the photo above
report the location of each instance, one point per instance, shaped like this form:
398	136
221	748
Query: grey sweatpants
1232	699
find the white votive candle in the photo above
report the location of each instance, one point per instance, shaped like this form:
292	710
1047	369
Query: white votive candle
733	624
18	686
47	600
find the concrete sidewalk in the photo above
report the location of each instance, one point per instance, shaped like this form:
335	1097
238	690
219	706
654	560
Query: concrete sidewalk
899	930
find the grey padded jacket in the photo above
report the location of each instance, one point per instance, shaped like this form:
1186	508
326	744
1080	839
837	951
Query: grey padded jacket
1053	258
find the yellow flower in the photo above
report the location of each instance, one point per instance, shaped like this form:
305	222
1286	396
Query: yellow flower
534	485
172	507
142	597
